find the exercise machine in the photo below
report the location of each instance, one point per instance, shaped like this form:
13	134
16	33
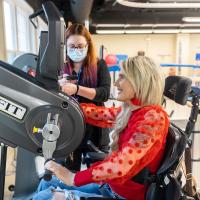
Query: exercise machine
34	115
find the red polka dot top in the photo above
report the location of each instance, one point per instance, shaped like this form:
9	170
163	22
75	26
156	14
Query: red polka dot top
141	144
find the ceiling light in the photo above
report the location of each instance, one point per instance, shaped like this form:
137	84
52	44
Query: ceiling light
144	25
171	1
137	31
149	31
158	5
110	31
117	25
110	25
190	31
166	31
190	25
167	25
191	19
160	25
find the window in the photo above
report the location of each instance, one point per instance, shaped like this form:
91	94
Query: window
8	10
21	37
22	31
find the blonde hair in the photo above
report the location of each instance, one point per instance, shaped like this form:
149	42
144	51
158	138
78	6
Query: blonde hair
148	84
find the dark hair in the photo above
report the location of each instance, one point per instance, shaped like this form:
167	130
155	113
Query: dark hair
90	62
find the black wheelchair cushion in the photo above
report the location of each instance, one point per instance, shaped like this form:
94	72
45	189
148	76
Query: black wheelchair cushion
154	192
175	146
170	192
166	185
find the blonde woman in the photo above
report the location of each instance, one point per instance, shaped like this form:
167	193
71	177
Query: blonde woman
138	140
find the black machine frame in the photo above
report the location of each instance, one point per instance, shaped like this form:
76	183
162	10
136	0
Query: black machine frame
26	101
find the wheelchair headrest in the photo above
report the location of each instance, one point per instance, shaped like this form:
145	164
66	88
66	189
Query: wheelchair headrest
175	146
177	88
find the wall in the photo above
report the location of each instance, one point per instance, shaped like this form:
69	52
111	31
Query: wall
163	48
182	53
194	47
160	47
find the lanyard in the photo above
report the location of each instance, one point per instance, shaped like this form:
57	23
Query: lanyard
78	80
79	75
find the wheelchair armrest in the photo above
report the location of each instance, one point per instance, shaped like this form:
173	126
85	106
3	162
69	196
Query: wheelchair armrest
93	148
96	156
92	157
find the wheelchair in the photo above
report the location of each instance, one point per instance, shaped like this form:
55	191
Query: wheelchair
166	184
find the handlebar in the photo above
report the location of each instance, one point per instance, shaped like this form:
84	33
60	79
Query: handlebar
38	12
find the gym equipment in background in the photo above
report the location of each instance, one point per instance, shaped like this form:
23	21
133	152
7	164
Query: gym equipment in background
26	62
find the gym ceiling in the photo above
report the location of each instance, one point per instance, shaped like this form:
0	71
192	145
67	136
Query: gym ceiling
115	14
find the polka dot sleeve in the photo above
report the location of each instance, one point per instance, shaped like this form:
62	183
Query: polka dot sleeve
99	115
146	137
141	148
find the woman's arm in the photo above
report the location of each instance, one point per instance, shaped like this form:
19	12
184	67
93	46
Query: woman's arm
100	93
86	92
99	115
103	82
71	89
146	139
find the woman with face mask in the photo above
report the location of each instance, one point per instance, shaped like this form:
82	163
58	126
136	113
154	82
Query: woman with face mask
92	85
138	140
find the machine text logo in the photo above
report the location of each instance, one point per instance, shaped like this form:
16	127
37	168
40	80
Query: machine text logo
12	108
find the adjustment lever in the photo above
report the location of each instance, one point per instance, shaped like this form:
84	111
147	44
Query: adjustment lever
50	133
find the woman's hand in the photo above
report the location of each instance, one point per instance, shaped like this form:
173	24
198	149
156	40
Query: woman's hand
64	80
61	172
69	88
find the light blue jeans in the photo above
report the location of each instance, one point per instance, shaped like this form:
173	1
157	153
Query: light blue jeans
44	191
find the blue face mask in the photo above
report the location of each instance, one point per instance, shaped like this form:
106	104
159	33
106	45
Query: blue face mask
77	55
